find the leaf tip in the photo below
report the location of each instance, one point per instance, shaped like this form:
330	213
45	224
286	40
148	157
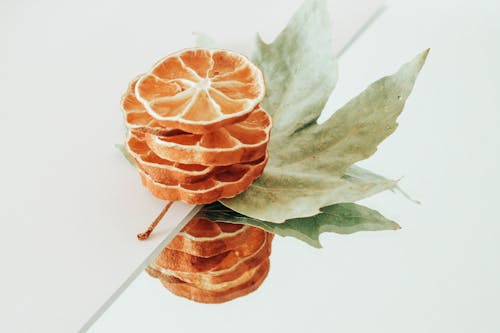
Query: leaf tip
259	41
315	243
421	58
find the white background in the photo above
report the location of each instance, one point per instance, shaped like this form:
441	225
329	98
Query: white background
441	272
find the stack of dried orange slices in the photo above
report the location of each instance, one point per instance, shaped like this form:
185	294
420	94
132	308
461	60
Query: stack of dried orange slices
196	130
198	134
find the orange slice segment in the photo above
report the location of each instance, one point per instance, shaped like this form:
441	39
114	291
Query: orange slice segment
225	183
200	90
236	143
136	116
161	170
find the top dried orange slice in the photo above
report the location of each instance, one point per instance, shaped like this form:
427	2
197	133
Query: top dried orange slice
200	90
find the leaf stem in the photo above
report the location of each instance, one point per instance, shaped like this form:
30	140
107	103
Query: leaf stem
145	234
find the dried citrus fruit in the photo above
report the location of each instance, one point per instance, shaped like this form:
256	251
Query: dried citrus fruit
203	238
217	279
227	183
236	143
161	170
199	90
237	262
242	286
180	261
136	116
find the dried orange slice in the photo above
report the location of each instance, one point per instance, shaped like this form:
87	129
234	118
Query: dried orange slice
199	90
203	238
227	183
236	143
161	170
218	279
242	286
179	261
237	262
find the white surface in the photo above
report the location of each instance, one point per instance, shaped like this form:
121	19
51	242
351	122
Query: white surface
441	272
71	206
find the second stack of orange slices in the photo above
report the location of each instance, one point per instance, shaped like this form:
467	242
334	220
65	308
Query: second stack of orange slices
214	262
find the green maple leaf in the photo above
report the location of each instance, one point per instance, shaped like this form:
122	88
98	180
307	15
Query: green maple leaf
311	172
300	69
343	218
310	164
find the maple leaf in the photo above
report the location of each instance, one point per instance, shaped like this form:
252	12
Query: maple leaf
310	164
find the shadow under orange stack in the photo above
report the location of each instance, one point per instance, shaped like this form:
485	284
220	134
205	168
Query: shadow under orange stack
197	134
